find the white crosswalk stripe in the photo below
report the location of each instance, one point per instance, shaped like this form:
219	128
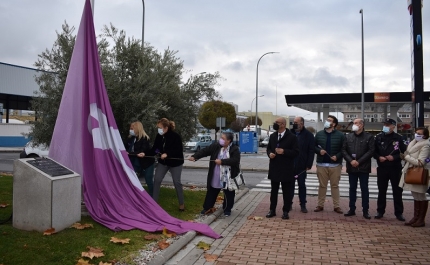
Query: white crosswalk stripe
312	187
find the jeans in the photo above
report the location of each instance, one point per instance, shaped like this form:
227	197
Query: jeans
301	181
364	186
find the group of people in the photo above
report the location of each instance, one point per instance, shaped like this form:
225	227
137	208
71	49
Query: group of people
168	150
291	154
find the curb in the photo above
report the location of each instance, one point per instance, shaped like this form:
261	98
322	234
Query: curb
169	252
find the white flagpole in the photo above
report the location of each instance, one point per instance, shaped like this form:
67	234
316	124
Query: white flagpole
92	7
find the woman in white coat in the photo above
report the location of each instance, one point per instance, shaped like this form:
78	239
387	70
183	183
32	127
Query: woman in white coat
418	151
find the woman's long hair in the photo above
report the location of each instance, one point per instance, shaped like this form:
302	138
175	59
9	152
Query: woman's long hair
139	131
166	123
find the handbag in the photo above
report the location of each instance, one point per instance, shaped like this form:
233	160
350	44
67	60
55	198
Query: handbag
417	174
237	182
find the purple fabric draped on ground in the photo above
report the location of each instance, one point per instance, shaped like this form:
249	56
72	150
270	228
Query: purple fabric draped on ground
86	139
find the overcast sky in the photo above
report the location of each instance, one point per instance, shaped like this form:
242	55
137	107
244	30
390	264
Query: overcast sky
319	41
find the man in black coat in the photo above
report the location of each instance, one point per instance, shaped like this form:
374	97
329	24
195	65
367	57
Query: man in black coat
282	149
304	161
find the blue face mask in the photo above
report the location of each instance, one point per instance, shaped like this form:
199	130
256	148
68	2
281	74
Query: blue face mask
385	129
160	131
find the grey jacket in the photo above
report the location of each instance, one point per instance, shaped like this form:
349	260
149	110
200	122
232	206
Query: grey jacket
363	147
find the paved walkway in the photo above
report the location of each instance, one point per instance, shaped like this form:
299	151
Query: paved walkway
313	238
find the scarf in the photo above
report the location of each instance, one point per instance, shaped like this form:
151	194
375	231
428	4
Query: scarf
225	171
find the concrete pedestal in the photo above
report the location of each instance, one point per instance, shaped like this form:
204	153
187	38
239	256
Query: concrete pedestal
41	201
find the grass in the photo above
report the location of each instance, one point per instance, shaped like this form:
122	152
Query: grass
23	247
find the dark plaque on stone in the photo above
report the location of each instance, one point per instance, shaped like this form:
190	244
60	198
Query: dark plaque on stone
49	167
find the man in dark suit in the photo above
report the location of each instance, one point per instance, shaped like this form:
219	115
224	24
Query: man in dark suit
282	149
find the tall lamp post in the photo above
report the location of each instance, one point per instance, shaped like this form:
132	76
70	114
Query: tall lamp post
256	94
252	102
362	66
143	22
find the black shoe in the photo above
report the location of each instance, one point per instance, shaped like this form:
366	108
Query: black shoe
285	215
379	215
350	213
366	215
303	209
270	214
400	217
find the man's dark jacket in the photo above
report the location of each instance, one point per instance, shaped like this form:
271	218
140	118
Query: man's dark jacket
281	168
337	139
385	144
213	151
363	146
306	150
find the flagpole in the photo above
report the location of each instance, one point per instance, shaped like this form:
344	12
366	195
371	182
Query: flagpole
92	7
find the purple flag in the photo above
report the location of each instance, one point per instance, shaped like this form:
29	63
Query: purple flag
86	139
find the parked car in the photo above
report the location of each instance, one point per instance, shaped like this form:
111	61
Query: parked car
265	142
32	150
198	142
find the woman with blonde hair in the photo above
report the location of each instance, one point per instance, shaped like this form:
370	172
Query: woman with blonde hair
138	142
168	146
417	154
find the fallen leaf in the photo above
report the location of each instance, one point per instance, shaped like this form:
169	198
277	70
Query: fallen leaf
152	237
118	240
163	244
203	245
250	217
104	263
191	221
211	210
82	262
167	233
93	253
210	257
3	205
258	218
49	231
193	187
80	226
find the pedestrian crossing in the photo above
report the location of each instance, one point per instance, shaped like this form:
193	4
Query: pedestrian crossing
312	187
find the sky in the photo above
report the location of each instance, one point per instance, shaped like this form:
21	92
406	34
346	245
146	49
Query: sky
319	42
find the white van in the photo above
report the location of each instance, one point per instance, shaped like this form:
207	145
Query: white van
31	150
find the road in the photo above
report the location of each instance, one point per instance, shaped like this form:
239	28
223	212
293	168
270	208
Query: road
196	177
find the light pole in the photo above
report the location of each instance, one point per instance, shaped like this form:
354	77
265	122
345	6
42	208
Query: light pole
256	94
143	22
362	66
253	102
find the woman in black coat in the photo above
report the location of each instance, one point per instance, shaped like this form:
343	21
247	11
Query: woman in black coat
138	142
224	163
168	146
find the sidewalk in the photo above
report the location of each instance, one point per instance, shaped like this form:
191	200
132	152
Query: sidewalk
312	238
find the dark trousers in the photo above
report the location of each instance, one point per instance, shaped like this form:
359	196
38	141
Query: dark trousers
148	173
393	175
212	194
364	186
286	190
301	181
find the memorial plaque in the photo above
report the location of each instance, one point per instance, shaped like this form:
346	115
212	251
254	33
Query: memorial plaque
49	167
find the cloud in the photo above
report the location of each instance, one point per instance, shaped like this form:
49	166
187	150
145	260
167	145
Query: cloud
323	78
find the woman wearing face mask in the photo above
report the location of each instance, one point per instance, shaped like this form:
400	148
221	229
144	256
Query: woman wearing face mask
417	153
168	146
224	163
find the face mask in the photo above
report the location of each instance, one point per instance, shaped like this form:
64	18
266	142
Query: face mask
327	124
355	128
386	129
275	126
221	142
418	137
132	132
295	126
160	131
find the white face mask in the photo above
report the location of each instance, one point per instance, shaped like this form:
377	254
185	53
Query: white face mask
418	137
327	124
132	132
355	128
160	131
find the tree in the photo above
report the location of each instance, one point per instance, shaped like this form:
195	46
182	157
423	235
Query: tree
238	124
251	121
142	84
210	110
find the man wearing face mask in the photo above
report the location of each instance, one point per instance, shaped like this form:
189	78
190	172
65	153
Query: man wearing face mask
282	149
388	147
357	150
304	161
328	147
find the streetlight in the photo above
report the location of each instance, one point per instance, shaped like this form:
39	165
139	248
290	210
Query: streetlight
253	102
256	93
143	22
362	66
